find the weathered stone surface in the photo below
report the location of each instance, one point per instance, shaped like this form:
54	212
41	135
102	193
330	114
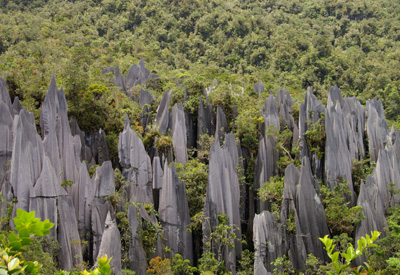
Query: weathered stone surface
158	173
136	165
27	158
373	210
377	129
174	214
204	119
223	197
268	156
335	96
83	194
162	117
191	124
48	184
259	87
146	98
310	112
137	255
178	133
310	212
137	75
338	161
98	221
4	95
386	170
268	242
6	138
104	183
54	124
94	148
294	245
70	254
221	126
111	244
16	107
43	196
355	115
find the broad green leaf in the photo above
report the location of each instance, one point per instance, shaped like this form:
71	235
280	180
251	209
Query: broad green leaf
13	264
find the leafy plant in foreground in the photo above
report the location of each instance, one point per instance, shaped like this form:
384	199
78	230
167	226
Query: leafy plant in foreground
342	264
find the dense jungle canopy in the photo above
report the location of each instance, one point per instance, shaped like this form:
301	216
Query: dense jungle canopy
216	51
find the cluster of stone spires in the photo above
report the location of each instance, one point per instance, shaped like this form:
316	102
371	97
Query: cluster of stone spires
33	168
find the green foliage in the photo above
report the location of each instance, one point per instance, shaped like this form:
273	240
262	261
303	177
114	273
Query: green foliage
339	216
180	266
272	191
102	269
195	176
67	183
222	236
282	266
45	251
283	140
246	127
12	246
342	265
387	253
360	170
148	231
316	136
246	263
92	170
126	235
163	144
291	223
313	265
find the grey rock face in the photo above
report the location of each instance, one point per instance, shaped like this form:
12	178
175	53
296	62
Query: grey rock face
94	148
338	161
259	87
158	173
294	245
310	212
373	210
267	242
16	107
48	184
138	74
104	183
43	196
222	125
4	95
99	211
136	165
268	156
70	254
58	141
174	214
162	117
27	158
137	255
377	129
310	112
111	244
178	133
355	115
6	144
223	197
204	119
145	98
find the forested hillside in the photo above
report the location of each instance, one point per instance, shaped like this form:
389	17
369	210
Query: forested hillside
240	110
